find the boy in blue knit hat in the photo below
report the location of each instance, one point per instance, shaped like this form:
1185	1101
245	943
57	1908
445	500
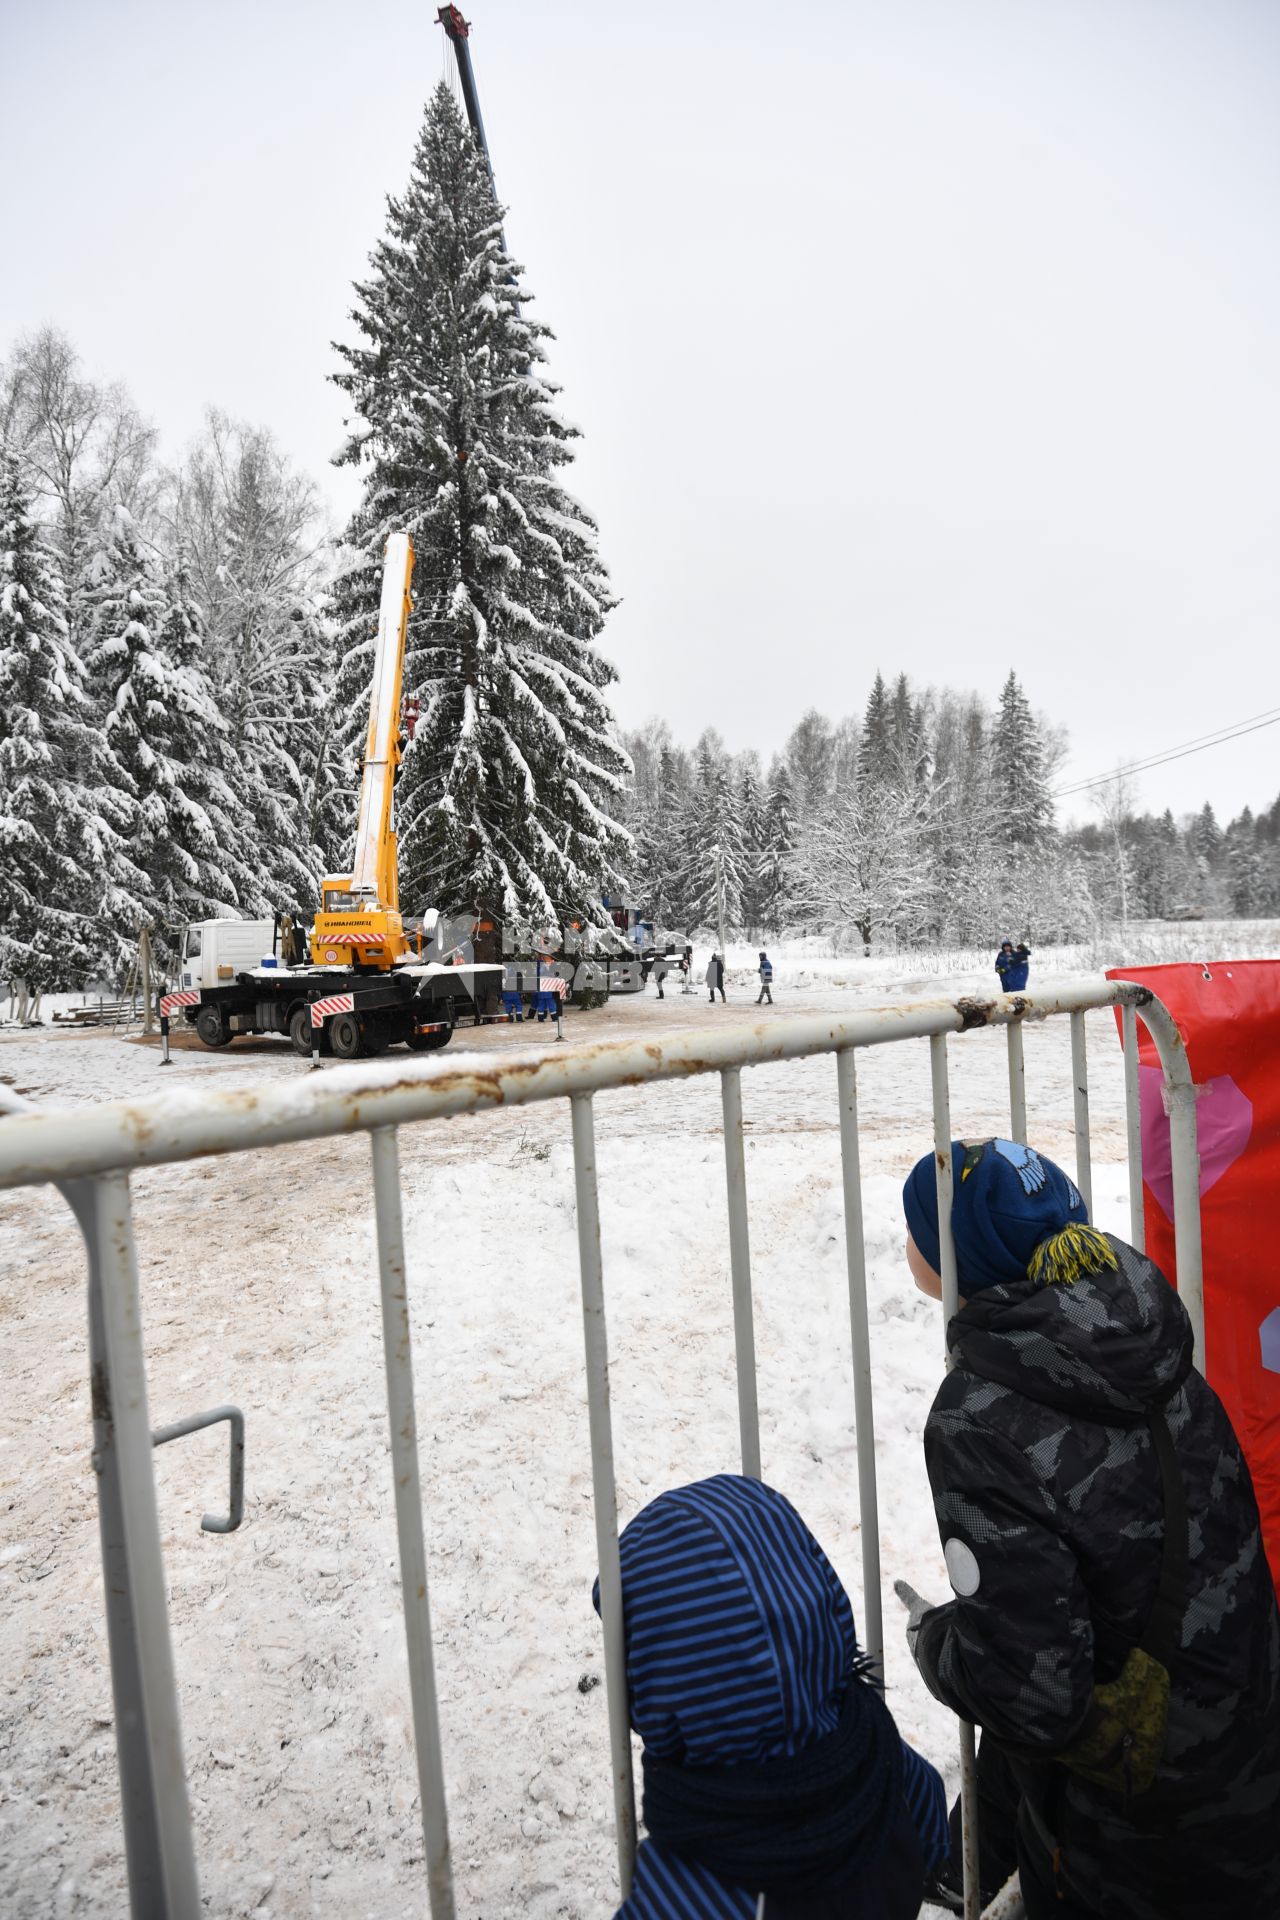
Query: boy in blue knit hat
1114	1628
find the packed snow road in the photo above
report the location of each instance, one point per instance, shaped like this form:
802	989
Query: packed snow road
260	1286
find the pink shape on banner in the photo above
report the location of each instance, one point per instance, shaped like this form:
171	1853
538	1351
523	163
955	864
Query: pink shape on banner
1224	1123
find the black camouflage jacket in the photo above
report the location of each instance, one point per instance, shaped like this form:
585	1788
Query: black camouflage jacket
1052	1522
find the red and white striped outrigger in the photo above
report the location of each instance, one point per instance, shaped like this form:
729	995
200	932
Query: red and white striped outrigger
332	1003
189	997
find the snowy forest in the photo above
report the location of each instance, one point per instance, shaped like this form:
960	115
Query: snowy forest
184	667
928	819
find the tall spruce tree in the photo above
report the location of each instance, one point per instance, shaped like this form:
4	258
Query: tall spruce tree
1018	748
875	761
60	818
779	834
751	819
509	792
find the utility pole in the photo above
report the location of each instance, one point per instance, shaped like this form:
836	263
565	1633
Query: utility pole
720	900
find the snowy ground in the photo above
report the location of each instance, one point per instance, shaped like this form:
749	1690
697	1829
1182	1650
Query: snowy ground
259	1278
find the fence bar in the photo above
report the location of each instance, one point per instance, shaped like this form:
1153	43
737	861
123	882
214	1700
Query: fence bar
1017	1084
1133	1126
863	1414
397	1345
744	1336
57	1144
945	1175
120	1397
946	1183
1180	1094
603	1482
1080	1092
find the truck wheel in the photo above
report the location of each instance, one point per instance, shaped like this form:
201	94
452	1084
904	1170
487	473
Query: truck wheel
211	1027
300	1031
429	1042
344	1036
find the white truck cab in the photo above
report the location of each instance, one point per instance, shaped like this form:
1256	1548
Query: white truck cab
215	951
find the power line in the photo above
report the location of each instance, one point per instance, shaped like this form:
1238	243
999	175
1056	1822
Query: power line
1201	744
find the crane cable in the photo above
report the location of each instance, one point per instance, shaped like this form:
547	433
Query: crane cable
1236	731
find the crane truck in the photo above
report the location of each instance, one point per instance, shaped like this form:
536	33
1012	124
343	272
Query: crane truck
370	981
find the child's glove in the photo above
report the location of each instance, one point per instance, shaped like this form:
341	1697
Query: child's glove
916	1611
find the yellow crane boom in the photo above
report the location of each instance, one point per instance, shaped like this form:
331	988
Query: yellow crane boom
359	920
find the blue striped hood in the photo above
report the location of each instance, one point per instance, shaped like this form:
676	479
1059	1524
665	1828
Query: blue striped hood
740	1638
740	1648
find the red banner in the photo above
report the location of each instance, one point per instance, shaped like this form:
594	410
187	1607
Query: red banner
1228	1013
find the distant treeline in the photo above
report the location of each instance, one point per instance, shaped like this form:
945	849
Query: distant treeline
929	818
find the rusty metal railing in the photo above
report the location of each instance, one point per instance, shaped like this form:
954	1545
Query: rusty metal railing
89	1152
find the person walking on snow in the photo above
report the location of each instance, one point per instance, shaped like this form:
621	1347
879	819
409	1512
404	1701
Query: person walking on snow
1013	965
660	974
715	976
776	1785
686	969
1114	1629
766	979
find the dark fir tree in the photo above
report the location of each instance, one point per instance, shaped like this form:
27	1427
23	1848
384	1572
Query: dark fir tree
667	849
774	877
714	867
875	759
1020	789
510	792
60	817
751	819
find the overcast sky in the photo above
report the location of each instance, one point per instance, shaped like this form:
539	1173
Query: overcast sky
926	335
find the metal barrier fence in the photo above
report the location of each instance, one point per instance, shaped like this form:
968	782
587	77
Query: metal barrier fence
88	1153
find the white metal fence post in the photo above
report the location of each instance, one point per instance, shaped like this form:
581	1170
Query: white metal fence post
945	1176
128	1420
863	1406
744	1337
1017	1084
1080	1096
1133	1126
1180	1094
397	1344
604	1482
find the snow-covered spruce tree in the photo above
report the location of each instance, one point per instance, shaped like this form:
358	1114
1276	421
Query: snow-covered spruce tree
779	840
751	811
509	793
158	724
59	815
671	825
875	759
1019	784
716	859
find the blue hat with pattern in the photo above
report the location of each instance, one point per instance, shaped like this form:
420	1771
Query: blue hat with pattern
1008	1200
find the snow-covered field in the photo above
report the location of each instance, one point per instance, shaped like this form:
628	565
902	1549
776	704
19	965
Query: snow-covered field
260	1286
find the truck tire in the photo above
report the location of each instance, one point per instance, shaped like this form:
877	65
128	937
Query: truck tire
429	1042
344	1036
300	1030
212	1028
